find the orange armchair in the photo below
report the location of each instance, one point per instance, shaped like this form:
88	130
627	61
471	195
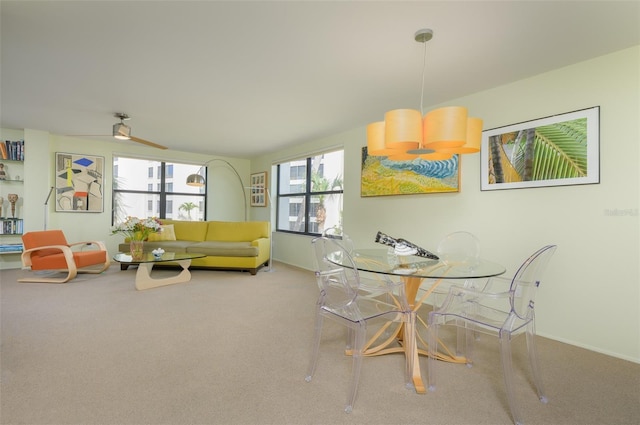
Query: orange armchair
49	250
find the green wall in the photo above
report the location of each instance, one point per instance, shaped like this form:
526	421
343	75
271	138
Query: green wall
591	294
593	280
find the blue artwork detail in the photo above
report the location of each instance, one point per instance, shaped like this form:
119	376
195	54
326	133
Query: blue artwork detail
437	169
85	162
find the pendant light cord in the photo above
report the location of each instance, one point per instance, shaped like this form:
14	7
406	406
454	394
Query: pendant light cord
424	68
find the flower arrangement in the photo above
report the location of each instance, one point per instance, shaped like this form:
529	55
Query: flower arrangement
137	229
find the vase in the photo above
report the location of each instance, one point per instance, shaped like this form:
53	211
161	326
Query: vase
137	249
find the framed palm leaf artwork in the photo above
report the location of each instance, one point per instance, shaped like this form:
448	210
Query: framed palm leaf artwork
559	150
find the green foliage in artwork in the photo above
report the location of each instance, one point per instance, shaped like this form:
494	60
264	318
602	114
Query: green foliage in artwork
378	180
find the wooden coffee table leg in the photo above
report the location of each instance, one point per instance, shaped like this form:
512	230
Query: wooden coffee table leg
145	281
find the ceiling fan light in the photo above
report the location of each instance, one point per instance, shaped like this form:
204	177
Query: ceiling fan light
121	131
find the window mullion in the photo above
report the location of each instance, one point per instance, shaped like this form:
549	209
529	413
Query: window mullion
163	194
307	197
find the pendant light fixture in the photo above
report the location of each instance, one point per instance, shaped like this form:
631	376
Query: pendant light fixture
406	134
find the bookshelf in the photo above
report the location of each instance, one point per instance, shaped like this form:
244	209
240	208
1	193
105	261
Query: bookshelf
11	185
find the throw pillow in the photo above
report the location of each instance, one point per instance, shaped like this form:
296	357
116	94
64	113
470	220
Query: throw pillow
166	233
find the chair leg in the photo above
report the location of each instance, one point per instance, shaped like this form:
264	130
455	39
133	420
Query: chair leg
470	337
358	344
349	341
461	335
533	361
507	369
315	348
102	268
411	347
71	273
432	342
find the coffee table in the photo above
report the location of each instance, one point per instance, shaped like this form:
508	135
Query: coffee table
145	264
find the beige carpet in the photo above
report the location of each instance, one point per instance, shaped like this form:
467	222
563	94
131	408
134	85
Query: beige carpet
231	348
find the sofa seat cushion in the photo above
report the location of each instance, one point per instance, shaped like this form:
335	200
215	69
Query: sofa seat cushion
224	249
169	246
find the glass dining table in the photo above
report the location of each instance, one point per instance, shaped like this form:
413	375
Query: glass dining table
413	271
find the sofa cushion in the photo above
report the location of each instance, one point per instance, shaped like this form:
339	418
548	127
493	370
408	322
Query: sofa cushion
224	249
166	233
237	231
188	230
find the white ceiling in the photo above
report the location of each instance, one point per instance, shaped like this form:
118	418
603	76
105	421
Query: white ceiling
244	78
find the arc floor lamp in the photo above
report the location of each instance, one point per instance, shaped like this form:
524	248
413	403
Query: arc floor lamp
198	180
264	190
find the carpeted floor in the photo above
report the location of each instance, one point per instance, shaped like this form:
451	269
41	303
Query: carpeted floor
231	348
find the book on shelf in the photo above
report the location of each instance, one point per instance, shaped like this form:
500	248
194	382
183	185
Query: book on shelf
11	226
12	150
11	247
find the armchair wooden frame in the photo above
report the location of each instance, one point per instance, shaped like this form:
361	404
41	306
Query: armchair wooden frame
73	261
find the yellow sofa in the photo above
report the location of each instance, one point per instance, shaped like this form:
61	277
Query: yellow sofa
237	245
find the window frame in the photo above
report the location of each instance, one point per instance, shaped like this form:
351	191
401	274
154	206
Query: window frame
307	194
161	185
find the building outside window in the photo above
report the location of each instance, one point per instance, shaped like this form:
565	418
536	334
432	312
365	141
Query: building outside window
134	195
310	192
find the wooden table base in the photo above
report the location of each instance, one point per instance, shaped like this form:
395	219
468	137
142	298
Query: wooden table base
145	281
406	336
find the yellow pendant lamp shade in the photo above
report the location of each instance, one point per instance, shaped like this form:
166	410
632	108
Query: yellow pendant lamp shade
445	127
402	156
474	138
375	140
437	156
405	134
403	129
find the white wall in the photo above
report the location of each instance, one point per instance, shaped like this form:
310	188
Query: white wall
591	295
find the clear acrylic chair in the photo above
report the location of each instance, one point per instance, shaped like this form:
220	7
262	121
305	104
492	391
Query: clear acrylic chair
340	301
371	284
457	248
504	313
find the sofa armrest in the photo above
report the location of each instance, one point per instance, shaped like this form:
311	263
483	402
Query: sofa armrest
263	244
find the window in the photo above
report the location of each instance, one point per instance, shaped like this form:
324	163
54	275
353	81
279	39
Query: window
310	192
134	194
170	209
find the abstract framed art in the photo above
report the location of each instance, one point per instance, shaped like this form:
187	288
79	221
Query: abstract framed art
559	150
382	176
79	183
258	194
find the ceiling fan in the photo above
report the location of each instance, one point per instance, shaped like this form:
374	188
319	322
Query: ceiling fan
123	132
